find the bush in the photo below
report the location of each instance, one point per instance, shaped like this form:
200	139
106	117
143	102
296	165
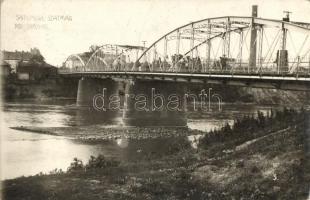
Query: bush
98	162
101	162
76	165
250	127
56	171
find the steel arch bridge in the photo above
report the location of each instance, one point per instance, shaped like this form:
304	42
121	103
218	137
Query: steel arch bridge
231	45
230	48
75	62
108	57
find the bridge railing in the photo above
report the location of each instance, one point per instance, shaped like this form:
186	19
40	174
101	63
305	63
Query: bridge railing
231	68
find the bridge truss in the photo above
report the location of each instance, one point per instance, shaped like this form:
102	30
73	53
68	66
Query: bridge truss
108	57
226	45
231	45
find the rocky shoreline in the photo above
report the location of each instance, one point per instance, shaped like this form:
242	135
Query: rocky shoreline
101	133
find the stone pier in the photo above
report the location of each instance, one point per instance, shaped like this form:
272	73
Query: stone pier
93	101
154	103
135	102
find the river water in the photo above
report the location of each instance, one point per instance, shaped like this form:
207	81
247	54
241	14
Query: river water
26	153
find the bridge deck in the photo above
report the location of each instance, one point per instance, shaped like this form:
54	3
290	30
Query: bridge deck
279	77
274	81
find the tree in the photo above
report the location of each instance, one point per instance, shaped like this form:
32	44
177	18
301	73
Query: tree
37	59
36	56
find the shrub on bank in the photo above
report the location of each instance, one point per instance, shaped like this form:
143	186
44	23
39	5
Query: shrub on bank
76	165
101	162
98	162
251	127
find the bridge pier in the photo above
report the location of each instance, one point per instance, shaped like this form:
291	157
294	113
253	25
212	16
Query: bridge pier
93	100
154	103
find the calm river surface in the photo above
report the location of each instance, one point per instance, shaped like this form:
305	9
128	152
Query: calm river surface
26	153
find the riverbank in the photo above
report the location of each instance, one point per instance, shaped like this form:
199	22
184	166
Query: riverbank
54	87
269	165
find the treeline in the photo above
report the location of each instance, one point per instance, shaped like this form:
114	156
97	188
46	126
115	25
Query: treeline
251	127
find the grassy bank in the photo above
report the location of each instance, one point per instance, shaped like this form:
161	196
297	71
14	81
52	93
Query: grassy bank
262	161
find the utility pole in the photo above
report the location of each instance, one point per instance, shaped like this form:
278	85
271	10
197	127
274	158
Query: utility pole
282	54
144	42
287	16
253	48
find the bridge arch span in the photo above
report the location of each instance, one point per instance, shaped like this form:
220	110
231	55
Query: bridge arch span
112	57
72	65
224	32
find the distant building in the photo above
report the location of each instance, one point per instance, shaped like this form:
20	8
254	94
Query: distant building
5	68
34	71
27	65
14	57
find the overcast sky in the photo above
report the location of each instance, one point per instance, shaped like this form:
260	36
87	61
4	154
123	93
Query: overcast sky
38	23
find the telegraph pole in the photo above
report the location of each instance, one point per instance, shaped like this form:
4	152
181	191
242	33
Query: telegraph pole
253	48
282	54
144	42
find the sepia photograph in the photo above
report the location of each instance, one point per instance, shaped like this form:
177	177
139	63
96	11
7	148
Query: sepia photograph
155	100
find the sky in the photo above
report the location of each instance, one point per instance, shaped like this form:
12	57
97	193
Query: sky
60	28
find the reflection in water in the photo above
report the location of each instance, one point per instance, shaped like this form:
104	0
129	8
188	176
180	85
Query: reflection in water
31	156
194	140
89	116
134	150
203	125
122	142
25	153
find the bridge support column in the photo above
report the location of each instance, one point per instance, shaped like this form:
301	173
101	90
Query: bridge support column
282	61
154	103
89	87
93	101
